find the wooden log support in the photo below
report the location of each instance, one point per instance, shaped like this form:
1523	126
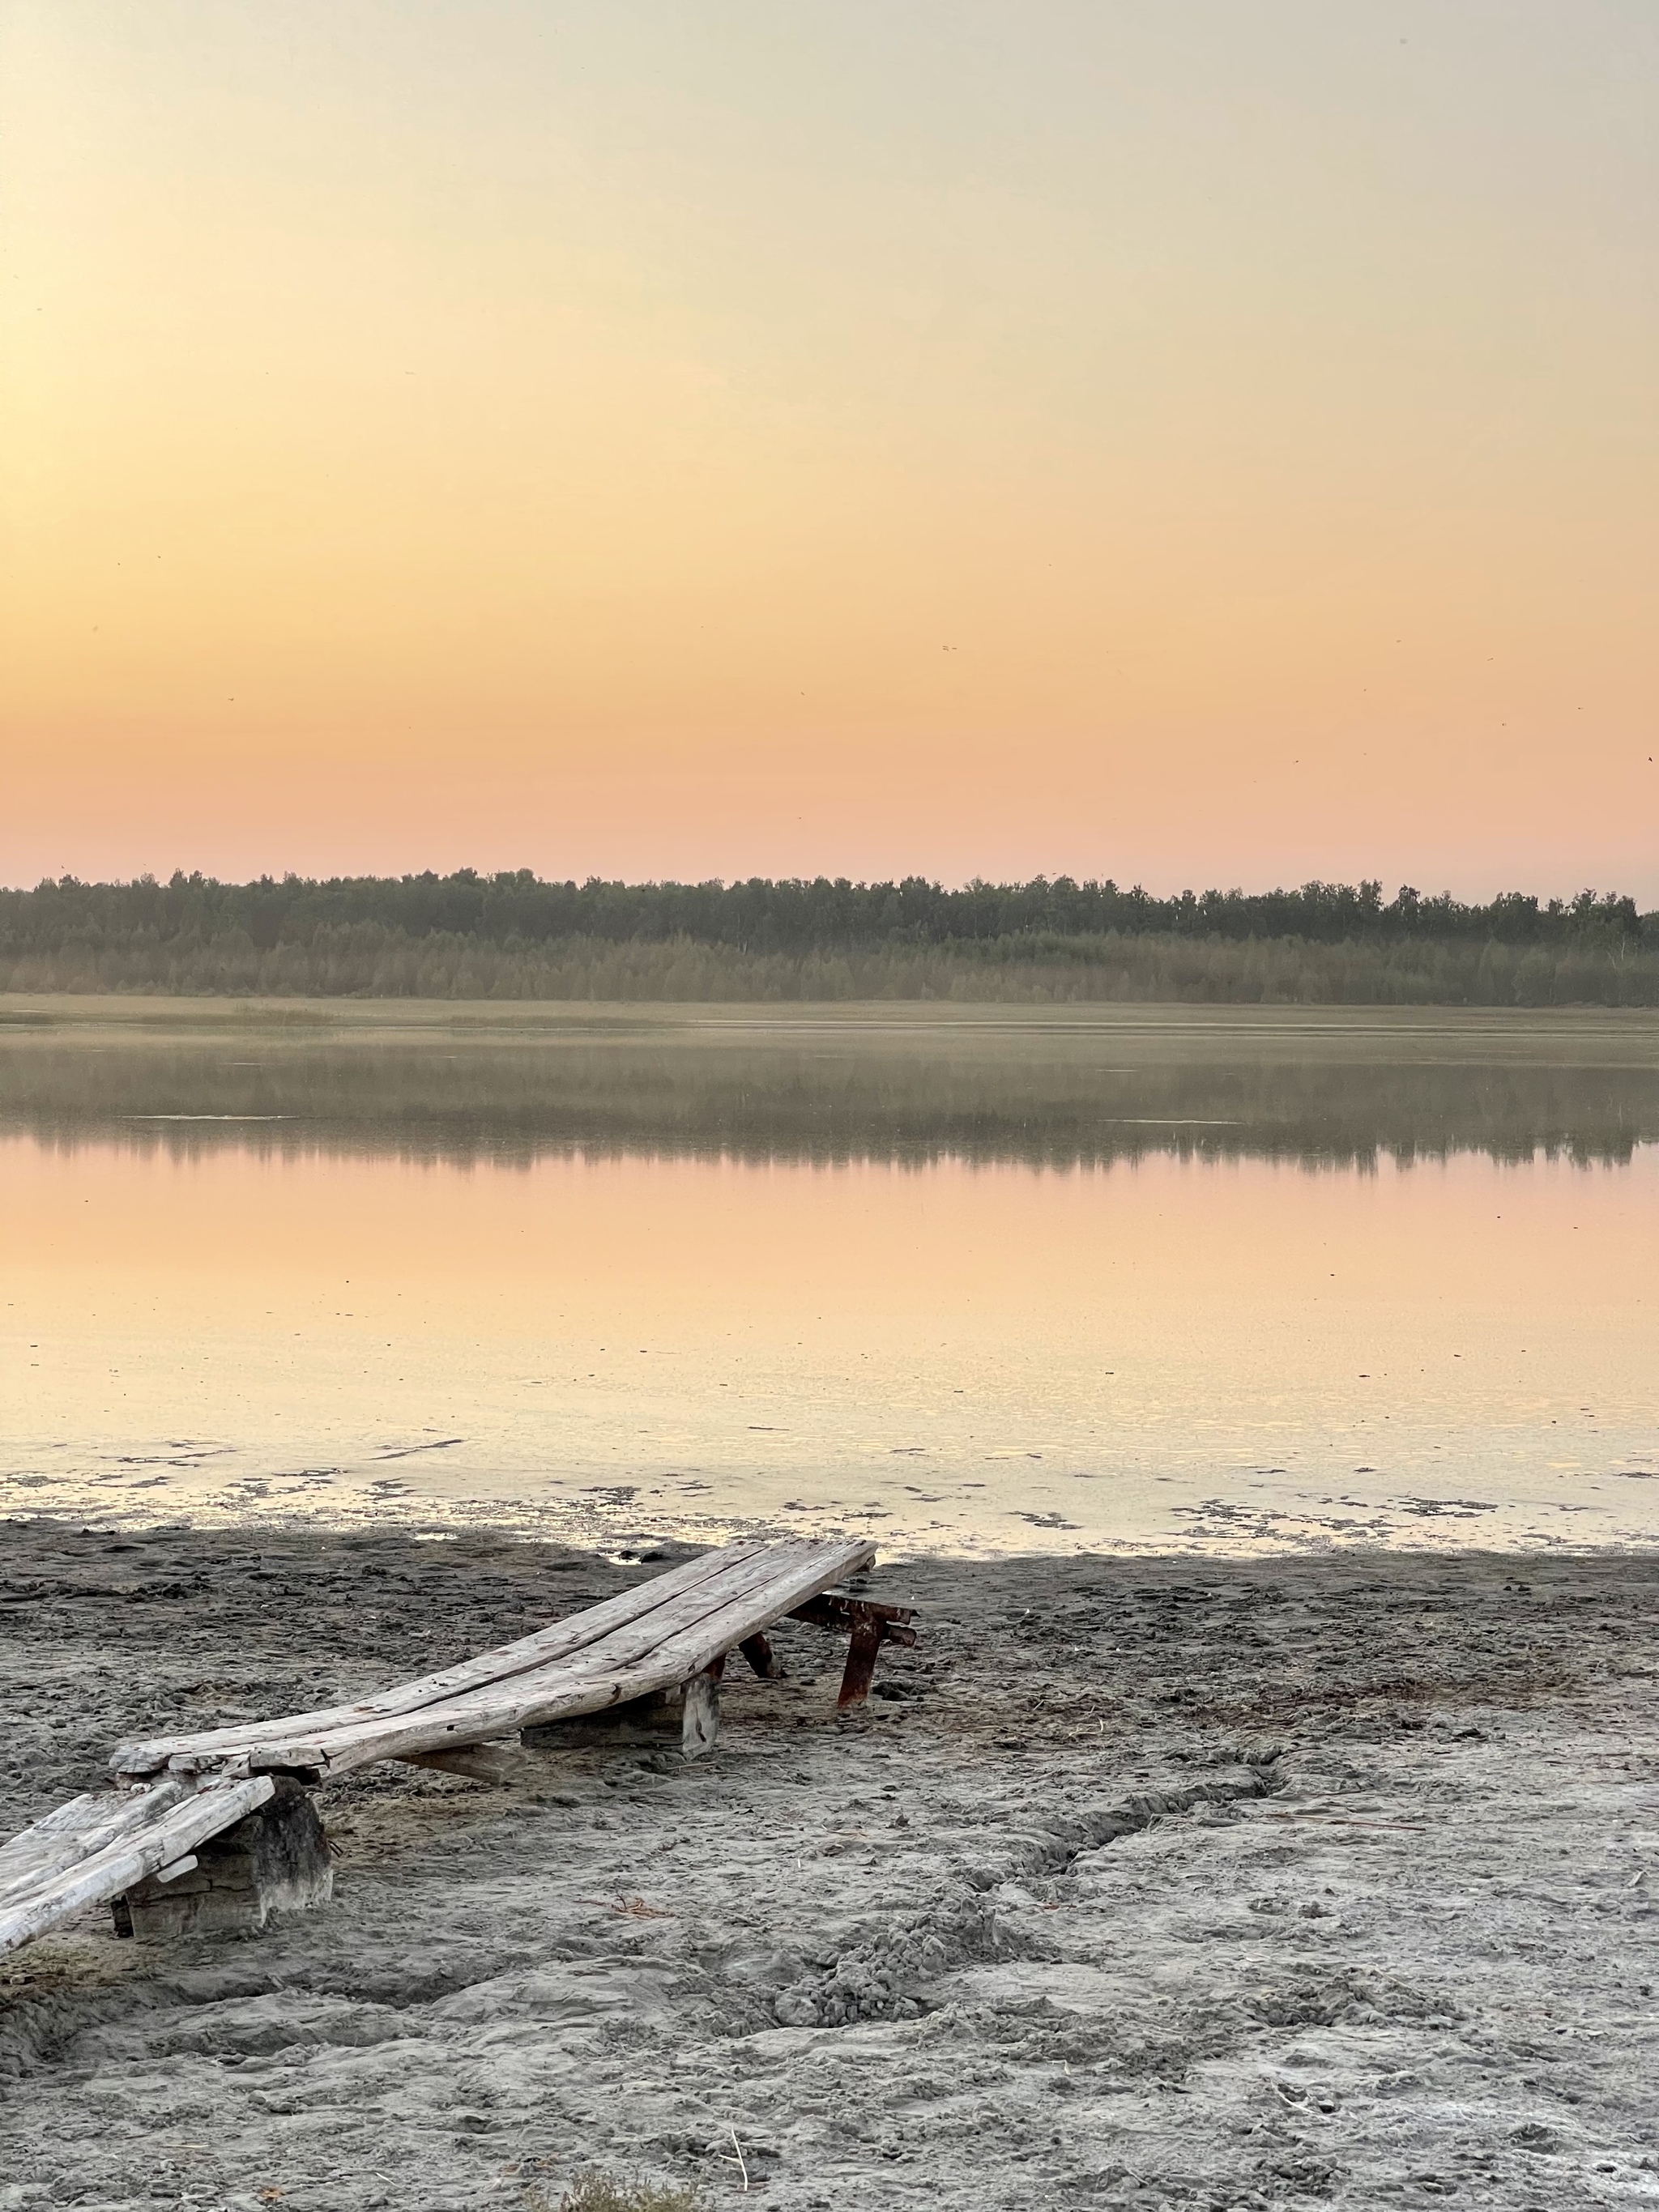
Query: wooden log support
834	1609
275	1859
762	1657
498	1764
702	1723
651	1719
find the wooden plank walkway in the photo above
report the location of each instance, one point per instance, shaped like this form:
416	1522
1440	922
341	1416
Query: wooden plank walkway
655	1636
671	1633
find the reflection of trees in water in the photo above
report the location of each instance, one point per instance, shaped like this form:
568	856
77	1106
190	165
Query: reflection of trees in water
1428	954
819	1103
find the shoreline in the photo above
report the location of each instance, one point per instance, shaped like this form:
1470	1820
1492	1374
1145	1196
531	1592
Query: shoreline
1308	1880
585	1521
25	1012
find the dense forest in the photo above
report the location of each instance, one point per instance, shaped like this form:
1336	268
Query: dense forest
512	935
760	916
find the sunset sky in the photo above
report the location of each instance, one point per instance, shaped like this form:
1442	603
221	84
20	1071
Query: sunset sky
1213	441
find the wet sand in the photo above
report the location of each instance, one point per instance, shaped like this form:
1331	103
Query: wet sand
1146	1882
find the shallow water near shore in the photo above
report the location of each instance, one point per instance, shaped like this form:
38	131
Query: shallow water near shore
1146	1277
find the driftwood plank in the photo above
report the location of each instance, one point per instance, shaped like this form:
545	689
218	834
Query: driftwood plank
599	1678
177	1824
702	1641
561	1639
734	1598
605	1655
75	1831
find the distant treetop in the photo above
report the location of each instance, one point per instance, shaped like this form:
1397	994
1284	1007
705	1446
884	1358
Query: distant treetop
788	915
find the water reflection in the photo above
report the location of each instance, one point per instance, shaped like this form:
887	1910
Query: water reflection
1070	1094
1008	1283
1216	1352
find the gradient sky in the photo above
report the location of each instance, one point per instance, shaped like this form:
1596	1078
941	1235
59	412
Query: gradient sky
1213	441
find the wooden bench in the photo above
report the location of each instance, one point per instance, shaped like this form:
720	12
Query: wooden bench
661	1645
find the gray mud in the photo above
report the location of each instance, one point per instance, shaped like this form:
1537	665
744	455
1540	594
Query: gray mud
1280	1883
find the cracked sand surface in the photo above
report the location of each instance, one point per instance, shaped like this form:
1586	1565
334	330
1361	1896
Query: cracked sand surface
1184	1882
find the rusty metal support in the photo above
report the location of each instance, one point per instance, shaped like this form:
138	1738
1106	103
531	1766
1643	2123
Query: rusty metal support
869	1624
863	1645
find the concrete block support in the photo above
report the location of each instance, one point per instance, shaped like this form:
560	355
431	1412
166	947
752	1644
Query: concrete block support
275	1860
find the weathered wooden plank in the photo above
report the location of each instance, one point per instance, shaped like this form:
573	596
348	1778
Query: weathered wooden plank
609	1659
75	1831
733	1599
62	1821
598	1678
582	1687
695	1646
559	1640
179	1823
667	1664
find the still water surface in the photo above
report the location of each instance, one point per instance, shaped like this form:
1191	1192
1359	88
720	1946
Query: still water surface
1143	1278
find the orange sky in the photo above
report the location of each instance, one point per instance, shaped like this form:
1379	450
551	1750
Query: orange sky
1209	443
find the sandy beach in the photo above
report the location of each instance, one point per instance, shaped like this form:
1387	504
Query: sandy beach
1312	1880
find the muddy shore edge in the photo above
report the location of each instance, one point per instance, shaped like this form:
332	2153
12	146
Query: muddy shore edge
1317	1881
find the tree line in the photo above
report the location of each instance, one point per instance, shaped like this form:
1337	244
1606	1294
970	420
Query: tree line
368	959
795	917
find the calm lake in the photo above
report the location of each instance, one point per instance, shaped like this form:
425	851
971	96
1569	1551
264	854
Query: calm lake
970	1277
